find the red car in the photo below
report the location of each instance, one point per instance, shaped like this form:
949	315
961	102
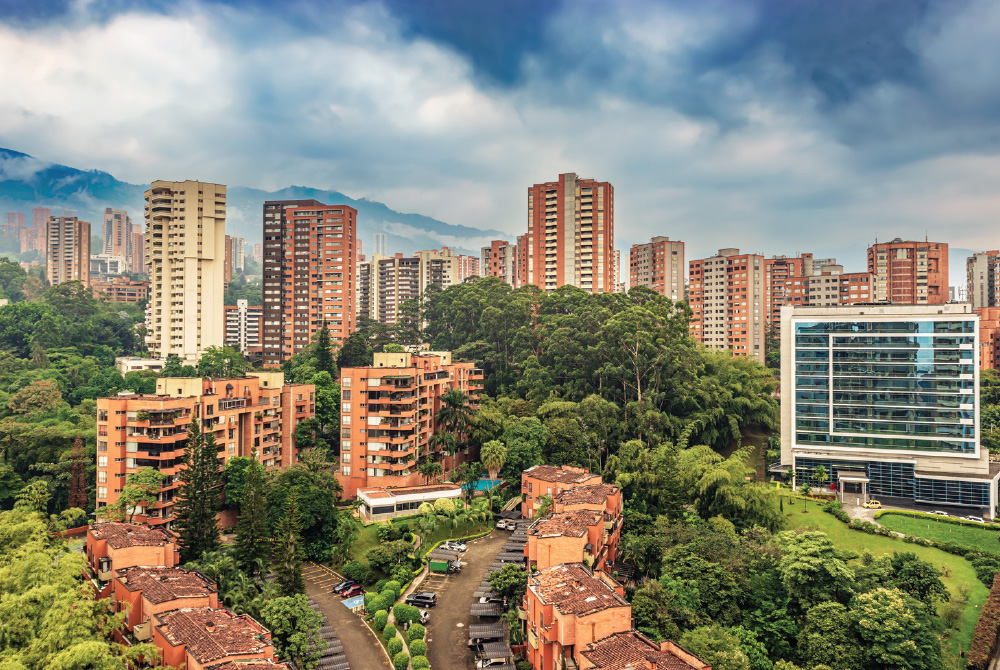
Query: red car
356	590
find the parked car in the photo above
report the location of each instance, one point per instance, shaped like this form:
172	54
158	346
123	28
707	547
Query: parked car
502	524
424	616
489	662
346	584
939	513
422	599
454	546
977	519
492	598
873	504
351	591
454	567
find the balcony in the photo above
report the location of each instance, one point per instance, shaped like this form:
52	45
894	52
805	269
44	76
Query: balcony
143	631
231	403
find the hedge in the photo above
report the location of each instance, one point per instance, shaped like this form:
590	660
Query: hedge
420	663
389	632
380	620
984	639
416	632
837	510
401	660
418	648
870	528
403	612
939	519
395	646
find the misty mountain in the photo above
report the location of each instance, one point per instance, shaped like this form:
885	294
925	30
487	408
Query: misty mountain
27	182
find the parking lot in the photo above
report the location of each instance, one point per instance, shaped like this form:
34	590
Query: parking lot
447	629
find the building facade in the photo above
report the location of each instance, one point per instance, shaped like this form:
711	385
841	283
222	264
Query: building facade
571	235
244	324
137	261
121	289
982	272
727	294
886	399
550	480
778	270
909	273
443	268
15	224
258	252
185	254
117	233
658	265
499	260
67	255
310	256
258	411
389	414
384	284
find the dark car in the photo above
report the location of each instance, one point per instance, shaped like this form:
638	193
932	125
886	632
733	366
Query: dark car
422	599
352	591
346	584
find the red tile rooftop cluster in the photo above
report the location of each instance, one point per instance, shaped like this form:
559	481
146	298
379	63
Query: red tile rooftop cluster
212	634
160	585
574	589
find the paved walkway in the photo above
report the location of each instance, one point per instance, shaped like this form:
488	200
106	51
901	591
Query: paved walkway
363	651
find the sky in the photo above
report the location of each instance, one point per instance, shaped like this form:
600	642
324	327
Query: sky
774	126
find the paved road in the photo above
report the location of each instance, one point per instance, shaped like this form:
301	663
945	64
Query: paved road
447	630
363	651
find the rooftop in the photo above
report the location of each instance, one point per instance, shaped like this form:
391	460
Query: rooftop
211	634
591	493
255	664
377	492
567	524
631	649
121	535
573	589
160	585
563	475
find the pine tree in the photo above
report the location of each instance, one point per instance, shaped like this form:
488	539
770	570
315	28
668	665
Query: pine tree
324	354
198	496
285	562
252	539
78	476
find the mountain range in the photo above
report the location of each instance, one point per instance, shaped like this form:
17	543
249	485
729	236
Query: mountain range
27	182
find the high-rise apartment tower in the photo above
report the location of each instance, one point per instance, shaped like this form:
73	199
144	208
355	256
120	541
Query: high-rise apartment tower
658	265
727	296
909	273
67	256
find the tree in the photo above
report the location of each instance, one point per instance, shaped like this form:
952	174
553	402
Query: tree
355	352
141	490
285	561
544	506
78	477
665	607
509	582
717	647
455	414
324	354
918	579
235	475
312	482
893	633
41	396
493	456
812	570
198	495
429	470
252	537
820	475
224	361
828	638
295	629
388	555
468	474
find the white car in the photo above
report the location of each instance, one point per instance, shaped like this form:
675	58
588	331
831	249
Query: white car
454	546
939	513
977	519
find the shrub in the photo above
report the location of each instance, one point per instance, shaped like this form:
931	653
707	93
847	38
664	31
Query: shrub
402	574
408	537
401	660
420	663
418	648
837	510
389	632
395	646
522	665
379	586
403	527
984	640
395	587
387	533
986	568
380	620
389	595
369	599
357	571
416	632
404	613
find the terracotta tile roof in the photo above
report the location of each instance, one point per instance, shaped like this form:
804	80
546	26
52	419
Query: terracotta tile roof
572	589
375	493
211	635
568	524
160	585
248	665
630	651
550	473
120	535
591	493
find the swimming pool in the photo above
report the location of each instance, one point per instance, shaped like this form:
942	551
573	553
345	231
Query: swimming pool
486	484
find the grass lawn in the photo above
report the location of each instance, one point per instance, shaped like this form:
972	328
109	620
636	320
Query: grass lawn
931	529
957	570
368	536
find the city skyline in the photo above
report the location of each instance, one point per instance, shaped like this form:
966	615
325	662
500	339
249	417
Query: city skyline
739	121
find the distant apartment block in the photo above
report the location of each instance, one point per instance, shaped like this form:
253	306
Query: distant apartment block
137	261
658	265
310	257
982	272
185	254
829	287
384	283
40	217
778	270
238	252
117	233
14	224
499	260
105	265
571	235
258	411
121	289
443	267
388	416
909	273
67	256
727	294
33	239
989	337
244	324
258	252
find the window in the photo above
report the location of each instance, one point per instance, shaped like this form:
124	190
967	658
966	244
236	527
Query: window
232	447
345	395
102	461
345	445
102	491
346	470
102	477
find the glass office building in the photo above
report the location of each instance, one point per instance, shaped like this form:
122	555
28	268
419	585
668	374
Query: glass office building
888	395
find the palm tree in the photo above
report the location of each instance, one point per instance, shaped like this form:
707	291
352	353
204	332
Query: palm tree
455	415
429	469
444	440
494	456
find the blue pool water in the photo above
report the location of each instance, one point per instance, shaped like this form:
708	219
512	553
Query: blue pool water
485	484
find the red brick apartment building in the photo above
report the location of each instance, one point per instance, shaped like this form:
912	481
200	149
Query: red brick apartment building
571	235
727	296
200	637
146	591
658	265
133	430
909	273
499	260
121	289
310	258
116	546
549	480
388	415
